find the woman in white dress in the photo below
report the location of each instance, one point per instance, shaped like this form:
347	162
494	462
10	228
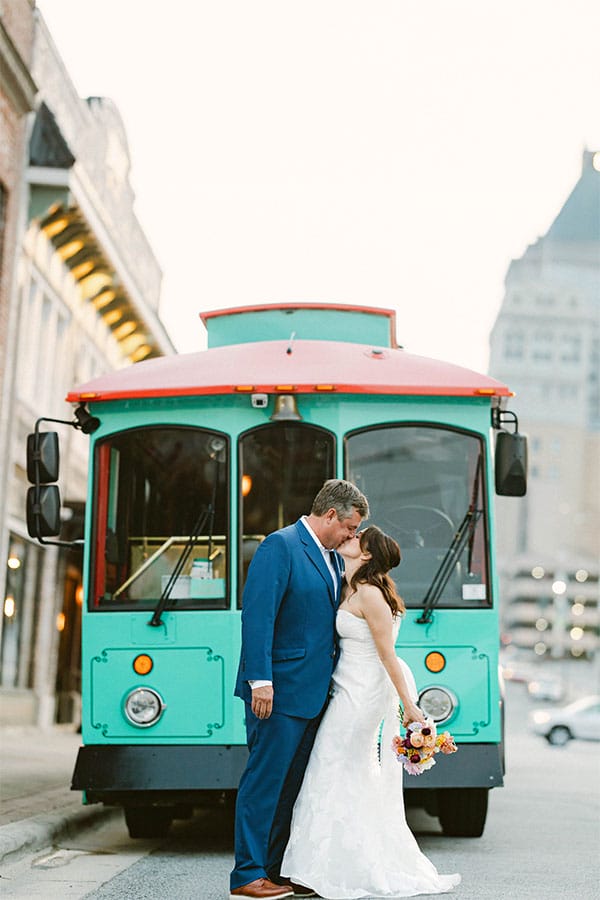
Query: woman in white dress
349	838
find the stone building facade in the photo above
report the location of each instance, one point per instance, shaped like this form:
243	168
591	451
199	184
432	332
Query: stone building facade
546	345
83	299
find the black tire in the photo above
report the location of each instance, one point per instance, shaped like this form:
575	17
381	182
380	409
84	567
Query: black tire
148	821
559	736
462	811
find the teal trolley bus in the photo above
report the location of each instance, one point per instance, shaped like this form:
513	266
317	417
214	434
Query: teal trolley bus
194	459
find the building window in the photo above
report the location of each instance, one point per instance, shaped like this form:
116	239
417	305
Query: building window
43	356
19	611
514	345
571	348
543	346
567	391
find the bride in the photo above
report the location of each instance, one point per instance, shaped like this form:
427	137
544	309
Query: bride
349	837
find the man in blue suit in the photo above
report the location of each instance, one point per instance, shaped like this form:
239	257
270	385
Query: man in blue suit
288	654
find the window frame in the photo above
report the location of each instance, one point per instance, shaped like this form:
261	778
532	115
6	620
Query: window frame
100	511
240	536
485	496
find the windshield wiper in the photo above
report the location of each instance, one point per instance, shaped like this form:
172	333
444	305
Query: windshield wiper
207	515
440	579
204	516
466	531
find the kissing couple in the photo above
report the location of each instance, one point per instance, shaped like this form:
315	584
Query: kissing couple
317	813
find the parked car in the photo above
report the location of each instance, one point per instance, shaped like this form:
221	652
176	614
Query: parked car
515	670
580	719
546	689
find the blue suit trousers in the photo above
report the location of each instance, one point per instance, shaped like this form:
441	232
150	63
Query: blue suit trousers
279	748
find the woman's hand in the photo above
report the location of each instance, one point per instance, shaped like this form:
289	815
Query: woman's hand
412	713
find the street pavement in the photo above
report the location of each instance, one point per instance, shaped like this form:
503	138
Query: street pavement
38	810
37	807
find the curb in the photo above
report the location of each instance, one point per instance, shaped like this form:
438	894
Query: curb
17	839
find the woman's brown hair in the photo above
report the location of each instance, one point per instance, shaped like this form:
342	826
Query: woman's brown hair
385	555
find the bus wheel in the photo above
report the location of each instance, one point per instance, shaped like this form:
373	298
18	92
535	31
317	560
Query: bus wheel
148	821
462	811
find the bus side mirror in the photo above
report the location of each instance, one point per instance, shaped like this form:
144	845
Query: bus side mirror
42	457
43	511
511	464
43	499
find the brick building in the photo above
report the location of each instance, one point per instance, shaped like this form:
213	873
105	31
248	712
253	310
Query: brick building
83	298
17	99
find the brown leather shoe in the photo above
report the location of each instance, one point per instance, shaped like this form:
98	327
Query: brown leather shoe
300	891
262	887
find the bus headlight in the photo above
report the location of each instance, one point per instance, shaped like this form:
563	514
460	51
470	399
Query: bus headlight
438	703
143	707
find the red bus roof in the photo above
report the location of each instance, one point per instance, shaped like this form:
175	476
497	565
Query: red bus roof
278	367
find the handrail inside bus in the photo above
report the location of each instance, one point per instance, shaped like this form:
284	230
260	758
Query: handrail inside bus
168	542
165	546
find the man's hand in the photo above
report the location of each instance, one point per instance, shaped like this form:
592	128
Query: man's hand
262	701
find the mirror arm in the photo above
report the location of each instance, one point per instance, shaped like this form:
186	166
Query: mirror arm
501	417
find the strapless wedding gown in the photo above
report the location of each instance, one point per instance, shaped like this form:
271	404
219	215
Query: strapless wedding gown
349	836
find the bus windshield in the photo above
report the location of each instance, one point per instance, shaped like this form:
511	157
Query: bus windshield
161	519
422	481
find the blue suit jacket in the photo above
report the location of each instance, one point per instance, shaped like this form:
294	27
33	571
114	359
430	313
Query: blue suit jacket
288	622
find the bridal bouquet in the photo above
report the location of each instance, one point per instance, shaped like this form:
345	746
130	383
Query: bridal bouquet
417	749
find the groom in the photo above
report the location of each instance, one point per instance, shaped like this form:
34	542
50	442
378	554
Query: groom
288	654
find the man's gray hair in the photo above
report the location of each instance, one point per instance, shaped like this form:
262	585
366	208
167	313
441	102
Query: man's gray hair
343	496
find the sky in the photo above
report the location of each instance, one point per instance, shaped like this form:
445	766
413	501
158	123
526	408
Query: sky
380	152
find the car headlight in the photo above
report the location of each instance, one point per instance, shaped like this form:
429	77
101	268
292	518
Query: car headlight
438	703
143	707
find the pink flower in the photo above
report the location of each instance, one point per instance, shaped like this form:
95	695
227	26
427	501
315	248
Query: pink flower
448	745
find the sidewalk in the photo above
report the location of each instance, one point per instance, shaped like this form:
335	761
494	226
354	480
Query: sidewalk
37	806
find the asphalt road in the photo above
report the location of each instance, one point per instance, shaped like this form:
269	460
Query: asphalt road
541	840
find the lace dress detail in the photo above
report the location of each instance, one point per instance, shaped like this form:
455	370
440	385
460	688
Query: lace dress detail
349	838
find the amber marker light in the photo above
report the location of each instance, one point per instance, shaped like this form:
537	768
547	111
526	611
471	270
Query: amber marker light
285	387
435	661
485	392
324	387
244	388
142	664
